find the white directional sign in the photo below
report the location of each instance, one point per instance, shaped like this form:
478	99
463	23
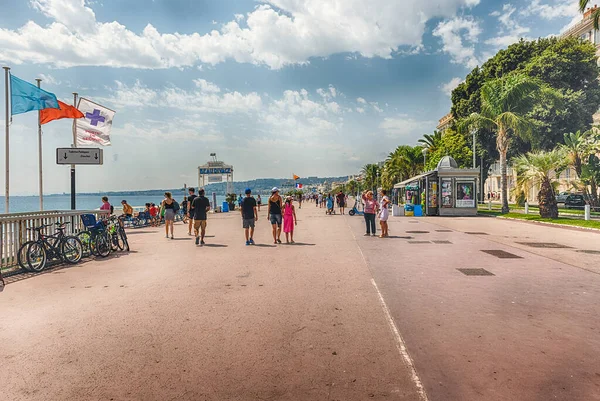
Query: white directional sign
79	156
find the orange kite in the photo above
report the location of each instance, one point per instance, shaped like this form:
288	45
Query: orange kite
296	177
65	111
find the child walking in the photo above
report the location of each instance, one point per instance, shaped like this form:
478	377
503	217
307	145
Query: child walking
289	220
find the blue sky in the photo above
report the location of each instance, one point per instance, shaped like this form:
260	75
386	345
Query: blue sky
274	87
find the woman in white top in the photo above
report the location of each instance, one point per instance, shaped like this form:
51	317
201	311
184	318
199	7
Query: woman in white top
384	213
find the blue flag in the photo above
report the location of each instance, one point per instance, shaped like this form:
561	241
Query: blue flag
26	97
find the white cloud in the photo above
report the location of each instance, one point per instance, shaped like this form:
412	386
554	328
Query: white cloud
552	9
404	127
456	33
204	99
511	31
48	79
360	110
276	33
376	107
448	87
206	87
361	100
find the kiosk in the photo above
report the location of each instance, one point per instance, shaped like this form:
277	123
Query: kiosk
446	191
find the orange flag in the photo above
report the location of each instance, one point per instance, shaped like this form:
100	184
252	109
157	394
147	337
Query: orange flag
296	177
65	111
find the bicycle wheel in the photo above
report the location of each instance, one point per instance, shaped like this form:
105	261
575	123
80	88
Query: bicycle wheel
71	249
86	242
124	240
36	257
114	241
22	256
101	244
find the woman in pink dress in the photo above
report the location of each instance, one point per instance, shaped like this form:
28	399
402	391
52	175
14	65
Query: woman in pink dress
289	220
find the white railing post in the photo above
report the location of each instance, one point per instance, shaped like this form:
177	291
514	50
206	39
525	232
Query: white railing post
588	212
526	207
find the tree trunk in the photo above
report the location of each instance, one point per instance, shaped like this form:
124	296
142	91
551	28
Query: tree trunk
547	200
502	145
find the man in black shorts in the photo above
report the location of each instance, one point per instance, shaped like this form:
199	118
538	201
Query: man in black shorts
341	200
190	204
201	206
249	212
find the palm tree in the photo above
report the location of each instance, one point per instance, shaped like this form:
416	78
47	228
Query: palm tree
595	15
371	174
401	164
431	142
578	147
505	102
542	169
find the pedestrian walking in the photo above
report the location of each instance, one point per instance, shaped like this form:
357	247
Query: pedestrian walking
259	201
289	220
274	214
341	200
201	207
384	213
320	200
168	208
249	212
370	207
190	200
240	199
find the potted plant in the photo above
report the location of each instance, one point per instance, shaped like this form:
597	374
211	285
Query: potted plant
230	199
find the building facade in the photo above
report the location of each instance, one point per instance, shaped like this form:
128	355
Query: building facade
445	122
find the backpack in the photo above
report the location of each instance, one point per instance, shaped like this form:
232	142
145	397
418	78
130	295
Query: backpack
112	209
175	206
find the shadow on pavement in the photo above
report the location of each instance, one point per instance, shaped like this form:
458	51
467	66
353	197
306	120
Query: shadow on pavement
300	244
264	246
215	245
182	239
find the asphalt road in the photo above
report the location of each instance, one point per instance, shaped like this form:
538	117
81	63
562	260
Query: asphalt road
337	316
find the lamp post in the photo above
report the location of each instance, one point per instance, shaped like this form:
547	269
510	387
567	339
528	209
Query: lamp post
425	151
474	157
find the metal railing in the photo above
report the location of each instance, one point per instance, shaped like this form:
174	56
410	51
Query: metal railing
14	229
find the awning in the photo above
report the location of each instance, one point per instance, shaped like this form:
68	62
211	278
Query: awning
416	178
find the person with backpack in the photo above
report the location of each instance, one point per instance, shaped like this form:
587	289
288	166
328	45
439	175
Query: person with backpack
168	206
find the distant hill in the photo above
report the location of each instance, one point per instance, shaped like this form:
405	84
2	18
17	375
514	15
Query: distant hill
258	186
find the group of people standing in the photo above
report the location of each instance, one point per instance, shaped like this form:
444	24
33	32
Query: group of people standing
372	209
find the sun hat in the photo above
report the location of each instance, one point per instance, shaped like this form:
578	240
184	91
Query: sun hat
248	191
275	189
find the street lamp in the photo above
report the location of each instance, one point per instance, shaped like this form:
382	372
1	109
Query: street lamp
425	151
474	157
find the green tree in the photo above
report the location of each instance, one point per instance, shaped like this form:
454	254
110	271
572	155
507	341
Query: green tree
583	4
371	176
504	104
403	163
565	64
352	187
431	142
541	169
452	144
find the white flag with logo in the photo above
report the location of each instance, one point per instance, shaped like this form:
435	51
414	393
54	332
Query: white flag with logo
94	128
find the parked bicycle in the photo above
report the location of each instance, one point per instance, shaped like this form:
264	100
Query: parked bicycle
94	238
66	248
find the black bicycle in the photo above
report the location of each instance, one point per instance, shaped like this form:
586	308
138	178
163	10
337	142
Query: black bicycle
66	248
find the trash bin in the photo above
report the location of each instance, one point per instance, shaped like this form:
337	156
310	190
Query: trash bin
397	210
418	211
225	207
409	210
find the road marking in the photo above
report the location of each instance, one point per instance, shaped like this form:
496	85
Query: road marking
400	344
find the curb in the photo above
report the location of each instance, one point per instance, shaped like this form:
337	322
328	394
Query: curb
543	223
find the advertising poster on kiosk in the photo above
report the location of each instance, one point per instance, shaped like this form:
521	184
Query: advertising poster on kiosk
465	196
446	193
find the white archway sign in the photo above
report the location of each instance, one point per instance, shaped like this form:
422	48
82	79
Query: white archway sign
215	171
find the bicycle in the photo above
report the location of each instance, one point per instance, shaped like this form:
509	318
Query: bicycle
116	231
94	239
66	248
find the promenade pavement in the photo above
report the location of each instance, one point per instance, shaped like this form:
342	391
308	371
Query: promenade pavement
337	316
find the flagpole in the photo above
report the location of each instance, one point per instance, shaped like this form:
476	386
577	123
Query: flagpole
39	80
6	157
72	165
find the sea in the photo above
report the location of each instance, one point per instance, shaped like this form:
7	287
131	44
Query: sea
20	204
